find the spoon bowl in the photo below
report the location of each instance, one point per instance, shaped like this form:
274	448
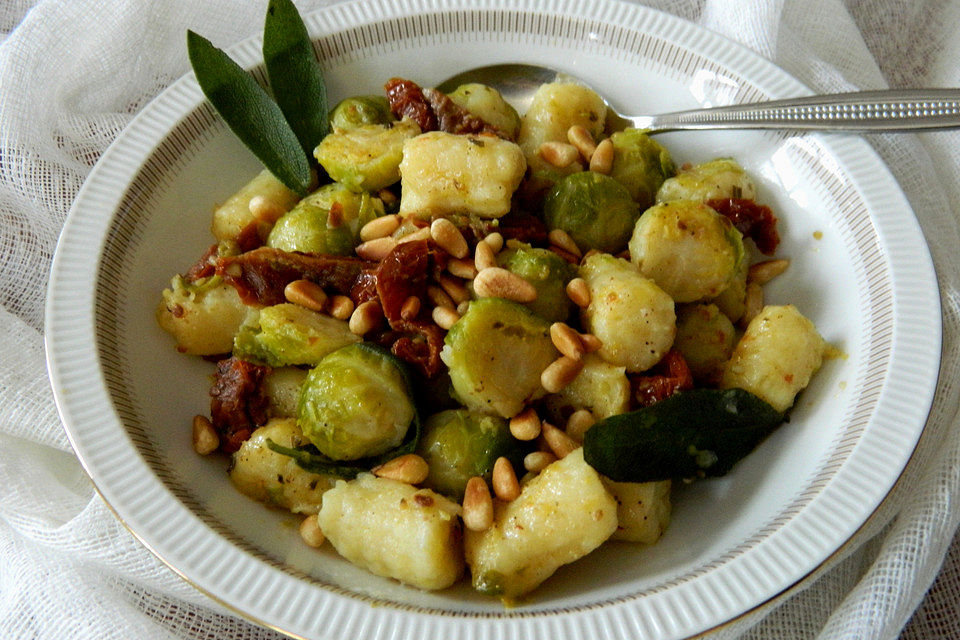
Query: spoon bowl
863	111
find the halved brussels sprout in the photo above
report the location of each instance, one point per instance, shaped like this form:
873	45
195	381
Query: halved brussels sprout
358	111
496	353
640	164
690	251
720	178
308	226
366	158
459	444
548	273
596	210
356	403
487	104
286	334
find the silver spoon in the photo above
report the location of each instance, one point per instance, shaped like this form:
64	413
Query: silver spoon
864	111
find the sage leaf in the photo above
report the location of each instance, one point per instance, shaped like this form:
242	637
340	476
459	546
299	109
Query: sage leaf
294	74
250	113
697	433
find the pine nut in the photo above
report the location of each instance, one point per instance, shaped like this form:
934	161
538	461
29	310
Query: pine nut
416	236
590	342
559	442
457	291
449	238
376	249
563	240
484	256
445	317
578	423
559	154
409	468
477	505
379	227
463	307
341	307
763	272
366	317
462	268
306	294
525	425
387	197
514	243
495	240
582	139
410	308
335	216
566	340
495	282
504	480
537	461
602	159
439	297
265	209
579	292
752	302
560	373
205	438
310	531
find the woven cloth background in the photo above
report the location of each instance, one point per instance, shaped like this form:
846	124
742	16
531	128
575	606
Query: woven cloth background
74	72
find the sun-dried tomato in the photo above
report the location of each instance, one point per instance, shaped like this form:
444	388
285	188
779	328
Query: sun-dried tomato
238	403
671	375
403	273
260	276
433	110
753	220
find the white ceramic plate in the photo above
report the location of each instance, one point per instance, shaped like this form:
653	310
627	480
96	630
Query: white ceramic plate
860	271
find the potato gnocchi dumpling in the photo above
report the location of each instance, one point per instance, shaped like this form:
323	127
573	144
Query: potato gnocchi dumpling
273	478
632	316
395	530
720	178
443	174
562	515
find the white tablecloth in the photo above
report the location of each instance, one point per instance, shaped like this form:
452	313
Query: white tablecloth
74	72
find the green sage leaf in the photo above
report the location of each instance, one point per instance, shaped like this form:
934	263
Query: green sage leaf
294	74
250	113
697	433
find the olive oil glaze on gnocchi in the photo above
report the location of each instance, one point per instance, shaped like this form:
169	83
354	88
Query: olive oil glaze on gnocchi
488	343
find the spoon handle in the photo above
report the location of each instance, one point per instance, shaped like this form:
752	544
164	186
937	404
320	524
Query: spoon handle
865	111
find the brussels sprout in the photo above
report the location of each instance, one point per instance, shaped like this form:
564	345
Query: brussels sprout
496	353
358	111
596	210
356	403
202	316
459	444
640	164
366	158
487	104
307	227
548	273
286	334
233	216
705	338
690	251
720	178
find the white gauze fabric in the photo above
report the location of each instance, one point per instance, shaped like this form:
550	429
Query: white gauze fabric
73	73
